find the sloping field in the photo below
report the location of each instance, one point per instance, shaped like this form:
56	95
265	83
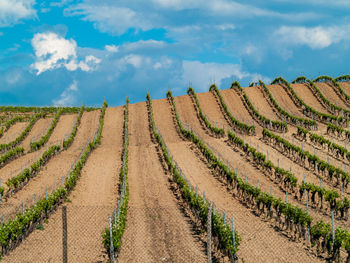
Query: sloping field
13	132
282	98
256	247
38	130
56	168
155	222
91	203
345	86
64	127
328	91
236	107
304	92
260	103
152	175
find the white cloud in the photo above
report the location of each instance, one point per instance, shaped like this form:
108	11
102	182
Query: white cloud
12	11
45	10
60	3
73	86
109	18
90	63
226	27
143	44
135	60
315	37
203	74
228	8
120	16
164	63
53	51
112	48
157	65
13	76
68	96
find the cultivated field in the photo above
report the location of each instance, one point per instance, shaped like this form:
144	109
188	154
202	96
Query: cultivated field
255	174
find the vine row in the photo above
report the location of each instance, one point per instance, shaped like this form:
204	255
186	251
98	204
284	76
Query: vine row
21	137
69	141
16	182
14	231
301	156
295	218
309	124
34	146
308	110
290	181
275	125
199	205
24	176
338	89
338	131
216	130
243	127
332	147
119	223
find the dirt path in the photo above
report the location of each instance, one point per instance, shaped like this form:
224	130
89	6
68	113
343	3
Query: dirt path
13	132
236	106
38	130
304	92
284	101
257	236
93	200
156	230
204	100
55	169
345	86
329	93
64	126
258	100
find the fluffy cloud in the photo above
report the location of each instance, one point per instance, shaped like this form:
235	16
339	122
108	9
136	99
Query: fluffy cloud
110	18
120	16
111	48
12	11
53	51
68	96
315	37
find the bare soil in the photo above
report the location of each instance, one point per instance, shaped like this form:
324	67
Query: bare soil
63	127
156	231
257	236
345	86
236	106
38	130
258	100
328	91
93	200
304	92
284	101
56	168
239	162
158	227
13	132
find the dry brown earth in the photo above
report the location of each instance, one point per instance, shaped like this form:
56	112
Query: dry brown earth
257	235
156	230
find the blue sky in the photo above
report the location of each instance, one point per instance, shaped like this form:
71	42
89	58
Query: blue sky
73	52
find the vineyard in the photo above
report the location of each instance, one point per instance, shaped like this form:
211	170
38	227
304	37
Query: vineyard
236	174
